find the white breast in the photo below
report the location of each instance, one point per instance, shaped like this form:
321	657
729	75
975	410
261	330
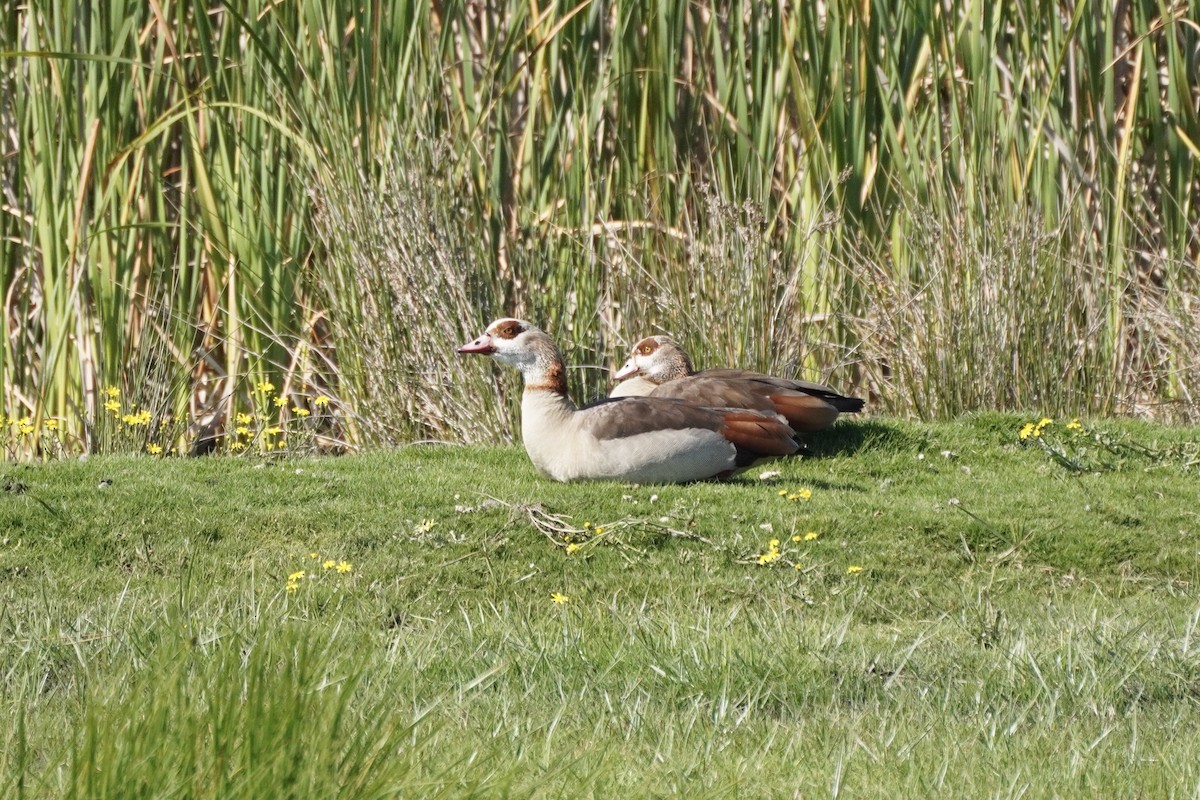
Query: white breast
560	449
637	386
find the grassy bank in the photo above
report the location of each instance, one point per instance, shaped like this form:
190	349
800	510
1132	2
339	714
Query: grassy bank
994	208
946	609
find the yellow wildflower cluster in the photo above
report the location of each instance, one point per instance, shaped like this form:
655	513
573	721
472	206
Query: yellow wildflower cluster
773	553
271	404
589	533
558	598
24	425
133	417
140	418
327	566
803	495
787	553
1034	430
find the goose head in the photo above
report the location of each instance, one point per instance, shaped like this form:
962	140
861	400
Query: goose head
658	359
524	346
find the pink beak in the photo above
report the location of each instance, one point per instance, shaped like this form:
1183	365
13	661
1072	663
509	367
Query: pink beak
628	370
481	346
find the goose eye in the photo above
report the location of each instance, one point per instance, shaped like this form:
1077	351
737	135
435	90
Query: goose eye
647	349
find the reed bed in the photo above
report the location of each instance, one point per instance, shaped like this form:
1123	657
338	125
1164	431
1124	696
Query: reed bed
945	207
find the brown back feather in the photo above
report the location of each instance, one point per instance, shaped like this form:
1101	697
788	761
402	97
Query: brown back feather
804	409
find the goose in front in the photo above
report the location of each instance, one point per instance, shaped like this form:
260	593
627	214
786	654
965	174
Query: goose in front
633	439
658	367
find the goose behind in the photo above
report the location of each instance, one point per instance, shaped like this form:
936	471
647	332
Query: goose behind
635	439
659	367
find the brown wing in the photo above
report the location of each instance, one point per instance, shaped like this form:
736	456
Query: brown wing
807	386
754	434
621	417
804	410
841	402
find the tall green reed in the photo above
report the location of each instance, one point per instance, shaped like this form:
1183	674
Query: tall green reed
199	199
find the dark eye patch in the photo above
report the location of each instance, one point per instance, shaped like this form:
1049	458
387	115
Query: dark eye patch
509	330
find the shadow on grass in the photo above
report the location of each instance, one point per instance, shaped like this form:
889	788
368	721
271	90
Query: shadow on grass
847	438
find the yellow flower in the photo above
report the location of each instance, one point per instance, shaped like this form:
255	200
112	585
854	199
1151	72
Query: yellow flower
51	424
292	587
244	419
112	405
1044	421
298	575
798	566
573	548
599	530
426	525
112	392
143	417
559	598
280	401
328	563
235	446
322	400
265	386
153	449
301	412
313	555
773	554
274	430
782	492
343	567
853	569
808	537
242	430
1074	425
1028	430
27	429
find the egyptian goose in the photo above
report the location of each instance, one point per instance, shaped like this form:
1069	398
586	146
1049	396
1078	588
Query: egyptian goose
635	439
659	367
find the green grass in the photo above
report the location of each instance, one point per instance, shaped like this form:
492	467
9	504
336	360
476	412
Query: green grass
1019	627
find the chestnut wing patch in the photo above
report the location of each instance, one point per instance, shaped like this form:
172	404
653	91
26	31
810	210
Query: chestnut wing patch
757	435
